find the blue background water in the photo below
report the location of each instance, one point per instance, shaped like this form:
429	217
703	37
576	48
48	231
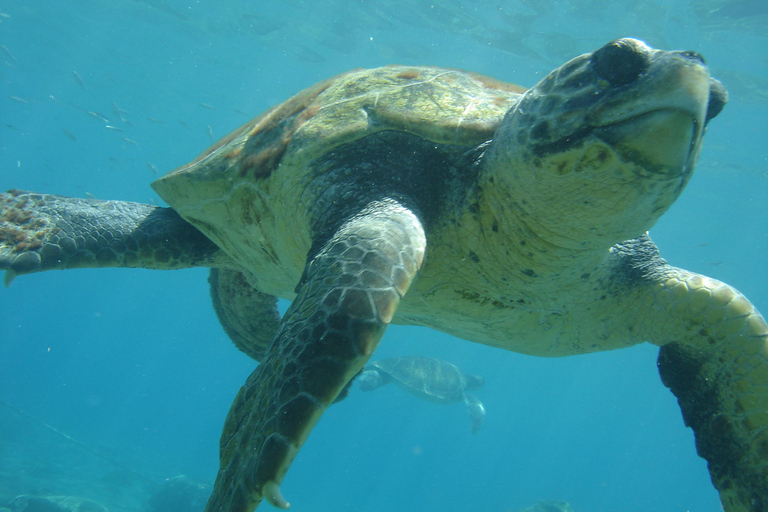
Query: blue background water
134	363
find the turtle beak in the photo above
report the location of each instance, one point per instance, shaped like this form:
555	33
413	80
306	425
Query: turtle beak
718	97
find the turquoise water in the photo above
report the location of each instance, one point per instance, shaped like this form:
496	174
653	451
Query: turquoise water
132	365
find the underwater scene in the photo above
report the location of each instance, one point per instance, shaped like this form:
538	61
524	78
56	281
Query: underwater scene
115	383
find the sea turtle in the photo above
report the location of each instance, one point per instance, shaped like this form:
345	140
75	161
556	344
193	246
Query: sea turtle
416	195
428	378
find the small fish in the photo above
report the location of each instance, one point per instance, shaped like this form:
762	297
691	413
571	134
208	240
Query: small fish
702	244
113	128
210	133
15	128
117	110
119	113
152	168
184	124
156	121
69	134
17	99
130	141
78	79
98	116
7	51
209	107
237	111
3	15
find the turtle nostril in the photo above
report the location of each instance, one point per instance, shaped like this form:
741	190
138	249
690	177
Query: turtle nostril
621	62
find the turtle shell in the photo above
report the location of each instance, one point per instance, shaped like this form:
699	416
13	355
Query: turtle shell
251	192
446	106
425	377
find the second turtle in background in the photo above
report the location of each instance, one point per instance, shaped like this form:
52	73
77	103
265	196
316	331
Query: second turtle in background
428	378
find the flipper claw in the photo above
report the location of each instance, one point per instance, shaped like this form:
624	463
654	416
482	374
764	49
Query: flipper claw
10	275
271	492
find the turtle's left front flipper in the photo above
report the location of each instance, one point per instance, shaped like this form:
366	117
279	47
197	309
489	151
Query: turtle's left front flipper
346	300
40	232
714	358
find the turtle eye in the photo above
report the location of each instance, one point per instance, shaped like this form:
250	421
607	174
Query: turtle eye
621	62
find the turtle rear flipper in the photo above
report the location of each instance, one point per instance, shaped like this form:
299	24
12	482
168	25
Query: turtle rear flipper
351	290
249	317
476	411
45	232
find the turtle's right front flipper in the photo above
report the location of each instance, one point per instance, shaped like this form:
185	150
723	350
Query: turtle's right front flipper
44	232
348	297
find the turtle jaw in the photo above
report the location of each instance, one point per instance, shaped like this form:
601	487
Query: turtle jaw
661	143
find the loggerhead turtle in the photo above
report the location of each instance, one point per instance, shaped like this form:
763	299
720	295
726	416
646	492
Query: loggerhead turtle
435	197
428	378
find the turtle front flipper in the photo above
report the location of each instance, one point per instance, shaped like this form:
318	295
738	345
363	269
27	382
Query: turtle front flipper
347	298
714	358
44	232
476	411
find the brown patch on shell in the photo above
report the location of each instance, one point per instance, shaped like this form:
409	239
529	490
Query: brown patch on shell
266	137
409	74
267	141
492	83
500	101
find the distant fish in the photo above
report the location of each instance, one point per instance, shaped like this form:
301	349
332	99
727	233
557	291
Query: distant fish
210	133
119	112
78	79
152	168
130	141
15	128
237	111
209	107
155	120
3	15
69	134
98	116
7	51
113	128
17	99
182	123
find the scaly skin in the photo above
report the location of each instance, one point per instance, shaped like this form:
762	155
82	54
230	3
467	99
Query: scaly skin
716	362
45	232
347	299
249	317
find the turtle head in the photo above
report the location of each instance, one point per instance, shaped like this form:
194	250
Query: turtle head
370	379
603	145
474	381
